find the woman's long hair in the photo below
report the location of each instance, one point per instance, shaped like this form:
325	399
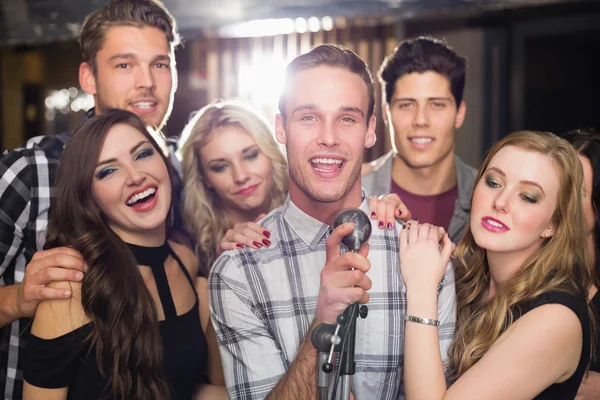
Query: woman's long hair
114	296
202	208
587	143
561	264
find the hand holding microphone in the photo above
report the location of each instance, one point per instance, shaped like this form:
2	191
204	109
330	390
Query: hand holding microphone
344	283
344	280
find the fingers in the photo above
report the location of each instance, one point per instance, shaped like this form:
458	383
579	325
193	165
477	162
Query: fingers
356	295
373	203
441	232
246	234
55	274
402	213
393	208
332	245
387	208
34	287
46	293
423	231
347	270
55	265
403	239
348	261
415	231
341	285
385	213
348	278
340	298
343	279
63	257
447	248
35	282
57	250
364	250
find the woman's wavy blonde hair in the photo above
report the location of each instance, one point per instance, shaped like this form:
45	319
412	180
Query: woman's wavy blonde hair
202	209
561	264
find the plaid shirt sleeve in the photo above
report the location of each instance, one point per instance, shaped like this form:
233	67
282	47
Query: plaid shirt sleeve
446	311
252	360
16	177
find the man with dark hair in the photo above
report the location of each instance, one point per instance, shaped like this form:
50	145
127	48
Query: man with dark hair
265	303
128	63
422	82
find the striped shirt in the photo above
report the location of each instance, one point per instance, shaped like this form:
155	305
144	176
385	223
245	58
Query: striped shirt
263	302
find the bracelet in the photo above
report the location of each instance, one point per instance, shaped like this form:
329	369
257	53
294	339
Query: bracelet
426	321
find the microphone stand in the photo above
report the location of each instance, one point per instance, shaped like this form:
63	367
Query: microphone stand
347	365
339	338
326	339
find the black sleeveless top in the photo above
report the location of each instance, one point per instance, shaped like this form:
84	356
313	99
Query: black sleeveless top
578	304
70	361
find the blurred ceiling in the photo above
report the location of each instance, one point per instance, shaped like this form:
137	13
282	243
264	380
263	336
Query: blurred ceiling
25	22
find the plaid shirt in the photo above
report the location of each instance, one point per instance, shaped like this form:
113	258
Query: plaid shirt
263	302
26	189
27	177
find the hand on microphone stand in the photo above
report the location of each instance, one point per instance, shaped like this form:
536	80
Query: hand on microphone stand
343	285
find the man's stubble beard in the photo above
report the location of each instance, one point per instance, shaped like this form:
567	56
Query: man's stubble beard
101	107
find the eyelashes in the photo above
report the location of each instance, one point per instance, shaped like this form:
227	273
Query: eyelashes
104	172
252	155
108	170
489	181
147	152
526	197
249	156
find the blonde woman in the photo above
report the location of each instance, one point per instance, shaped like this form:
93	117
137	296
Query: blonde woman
234	173
523	328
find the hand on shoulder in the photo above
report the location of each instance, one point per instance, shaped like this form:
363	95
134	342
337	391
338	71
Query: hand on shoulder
56	317
48	266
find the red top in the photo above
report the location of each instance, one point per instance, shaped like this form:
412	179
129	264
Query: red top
434	209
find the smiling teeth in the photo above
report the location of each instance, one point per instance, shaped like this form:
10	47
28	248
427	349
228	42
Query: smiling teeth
139	196
326	161
143	104
421	140
494	223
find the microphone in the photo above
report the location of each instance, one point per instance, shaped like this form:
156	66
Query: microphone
362	227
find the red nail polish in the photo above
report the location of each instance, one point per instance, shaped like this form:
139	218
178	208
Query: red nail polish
239	245
266	242
267	234
373	214
380	224
257	244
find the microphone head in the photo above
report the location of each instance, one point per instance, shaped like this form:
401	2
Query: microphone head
362	227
